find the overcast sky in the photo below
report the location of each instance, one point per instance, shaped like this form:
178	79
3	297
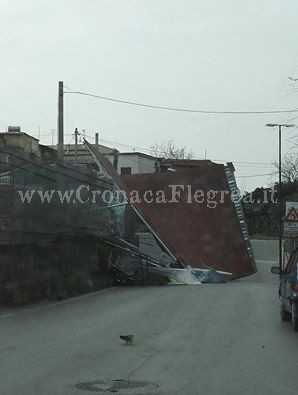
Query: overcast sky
198	54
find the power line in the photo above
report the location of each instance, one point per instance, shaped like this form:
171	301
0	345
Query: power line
150	166
242	164
133	103
256	175
248	165
262	164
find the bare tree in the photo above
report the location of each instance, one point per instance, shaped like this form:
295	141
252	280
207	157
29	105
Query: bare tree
168	150
289	168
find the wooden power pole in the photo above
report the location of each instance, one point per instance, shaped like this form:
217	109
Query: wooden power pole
60	122
96	141
76	144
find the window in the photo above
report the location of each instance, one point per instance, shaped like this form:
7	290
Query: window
125	170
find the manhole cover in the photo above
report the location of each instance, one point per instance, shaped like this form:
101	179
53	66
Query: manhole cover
115	386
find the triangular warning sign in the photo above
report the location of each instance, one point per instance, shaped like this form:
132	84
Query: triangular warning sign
292	215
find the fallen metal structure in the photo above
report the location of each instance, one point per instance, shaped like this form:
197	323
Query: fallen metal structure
197	235
130	266
189	234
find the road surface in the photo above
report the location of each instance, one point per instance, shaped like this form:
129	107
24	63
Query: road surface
211	339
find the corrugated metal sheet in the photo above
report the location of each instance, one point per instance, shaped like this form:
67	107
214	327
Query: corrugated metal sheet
199	236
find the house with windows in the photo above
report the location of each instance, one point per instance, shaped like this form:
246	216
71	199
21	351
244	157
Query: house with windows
135	163
123	162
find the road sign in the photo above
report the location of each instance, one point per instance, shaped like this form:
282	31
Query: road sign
291	220
292	215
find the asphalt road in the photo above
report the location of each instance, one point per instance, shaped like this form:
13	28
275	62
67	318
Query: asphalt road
212	339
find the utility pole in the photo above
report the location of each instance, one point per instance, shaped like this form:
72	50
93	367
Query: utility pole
96	141
280	199
285	125
60	122
76	144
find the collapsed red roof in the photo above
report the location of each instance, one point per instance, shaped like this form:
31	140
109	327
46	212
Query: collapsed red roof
198	235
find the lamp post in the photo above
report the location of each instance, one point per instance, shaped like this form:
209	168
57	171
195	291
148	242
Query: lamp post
280	126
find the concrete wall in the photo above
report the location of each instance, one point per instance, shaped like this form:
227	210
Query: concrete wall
20	141
139	164
83	154
30	272
128	161
146	165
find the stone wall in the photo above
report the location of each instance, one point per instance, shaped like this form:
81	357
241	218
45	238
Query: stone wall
51	270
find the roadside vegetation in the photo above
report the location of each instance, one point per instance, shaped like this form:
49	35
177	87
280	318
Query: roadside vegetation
262	217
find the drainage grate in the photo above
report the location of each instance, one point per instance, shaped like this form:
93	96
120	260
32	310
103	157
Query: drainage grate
114	386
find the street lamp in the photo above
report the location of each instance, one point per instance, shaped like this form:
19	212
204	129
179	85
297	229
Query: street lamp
280	126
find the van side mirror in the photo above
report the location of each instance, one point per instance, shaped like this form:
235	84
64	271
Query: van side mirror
275	270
